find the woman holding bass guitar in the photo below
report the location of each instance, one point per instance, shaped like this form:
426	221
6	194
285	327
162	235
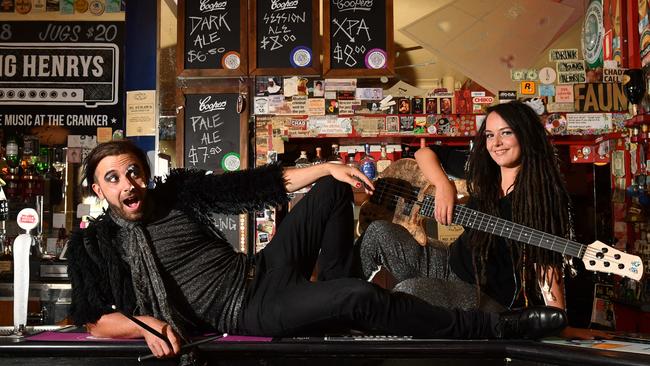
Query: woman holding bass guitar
512	173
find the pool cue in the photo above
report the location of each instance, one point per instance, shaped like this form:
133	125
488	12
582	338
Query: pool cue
186	347
144	325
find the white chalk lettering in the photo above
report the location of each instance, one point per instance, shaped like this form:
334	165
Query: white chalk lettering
206	106
277	5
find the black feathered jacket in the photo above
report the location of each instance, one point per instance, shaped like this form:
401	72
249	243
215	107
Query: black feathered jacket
101	278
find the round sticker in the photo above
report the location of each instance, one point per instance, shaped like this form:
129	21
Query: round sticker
592	34
27	219
547	75
118	134
300	57
531	74
23	6
376	58
230	162
556	124
81	6
96	7
231	60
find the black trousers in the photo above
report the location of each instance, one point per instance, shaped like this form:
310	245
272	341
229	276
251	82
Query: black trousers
281	300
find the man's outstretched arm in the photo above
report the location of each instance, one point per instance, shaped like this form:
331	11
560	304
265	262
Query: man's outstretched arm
116	325
296	178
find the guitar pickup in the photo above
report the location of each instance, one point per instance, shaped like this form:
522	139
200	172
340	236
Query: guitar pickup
408	206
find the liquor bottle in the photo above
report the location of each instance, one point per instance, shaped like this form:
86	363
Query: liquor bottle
407	152
11	152
43	161
6	259
383	161
303	162
352	161
335	157
352	155
4	206
319	157
368	164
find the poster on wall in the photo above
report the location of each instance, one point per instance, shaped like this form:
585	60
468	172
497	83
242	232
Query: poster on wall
612	24
61	77
644	31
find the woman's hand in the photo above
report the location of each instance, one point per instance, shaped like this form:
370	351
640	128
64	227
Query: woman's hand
352	176
445	201
583	333
159	347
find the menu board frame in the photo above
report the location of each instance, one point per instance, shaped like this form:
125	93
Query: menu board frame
244	226
180	119
316	39
242	70
328	71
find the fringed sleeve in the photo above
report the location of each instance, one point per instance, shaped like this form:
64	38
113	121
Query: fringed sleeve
228	193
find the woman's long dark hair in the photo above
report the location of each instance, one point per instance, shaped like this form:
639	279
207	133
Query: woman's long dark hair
540	199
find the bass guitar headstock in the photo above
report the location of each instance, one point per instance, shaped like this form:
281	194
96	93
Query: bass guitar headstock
601	257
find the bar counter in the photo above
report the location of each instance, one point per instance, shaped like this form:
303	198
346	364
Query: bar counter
327	351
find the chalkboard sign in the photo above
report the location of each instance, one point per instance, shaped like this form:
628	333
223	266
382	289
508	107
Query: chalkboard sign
211	135
284	37
212	38
211	132
358	38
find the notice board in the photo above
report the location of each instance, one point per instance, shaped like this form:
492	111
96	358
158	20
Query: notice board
358	38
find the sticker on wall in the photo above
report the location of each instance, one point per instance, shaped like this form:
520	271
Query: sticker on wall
7	6
23	6
38	6
301	56
547	90
113	6
230	162
547	75
97	7
528	88
592	34
556	124
81	6
376	58
231	60
66	7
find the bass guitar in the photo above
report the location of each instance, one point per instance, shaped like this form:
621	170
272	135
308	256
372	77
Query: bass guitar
396	199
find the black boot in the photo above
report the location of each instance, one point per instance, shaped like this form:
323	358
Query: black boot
530	323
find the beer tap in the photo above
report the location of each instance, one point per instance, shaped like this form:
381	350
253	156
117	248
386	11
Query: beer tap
27	220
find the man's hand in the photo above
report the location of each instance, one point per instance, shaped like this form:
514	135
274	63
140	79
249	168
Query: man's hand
352	176
159	347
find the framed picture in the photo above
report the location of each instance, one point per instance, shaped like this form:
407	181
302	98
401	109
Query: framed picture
431	106
404	106
446	105
417	105
317	89
392	124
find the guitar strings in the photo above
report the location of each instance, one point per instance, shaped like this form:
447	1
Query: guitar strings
412	195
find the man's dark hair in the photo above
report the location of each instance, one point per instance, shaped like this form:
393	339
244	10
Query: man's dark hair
112	148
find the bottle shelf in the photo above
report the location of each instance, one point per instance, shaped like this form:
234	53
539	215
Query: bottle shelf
638	120
450	140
